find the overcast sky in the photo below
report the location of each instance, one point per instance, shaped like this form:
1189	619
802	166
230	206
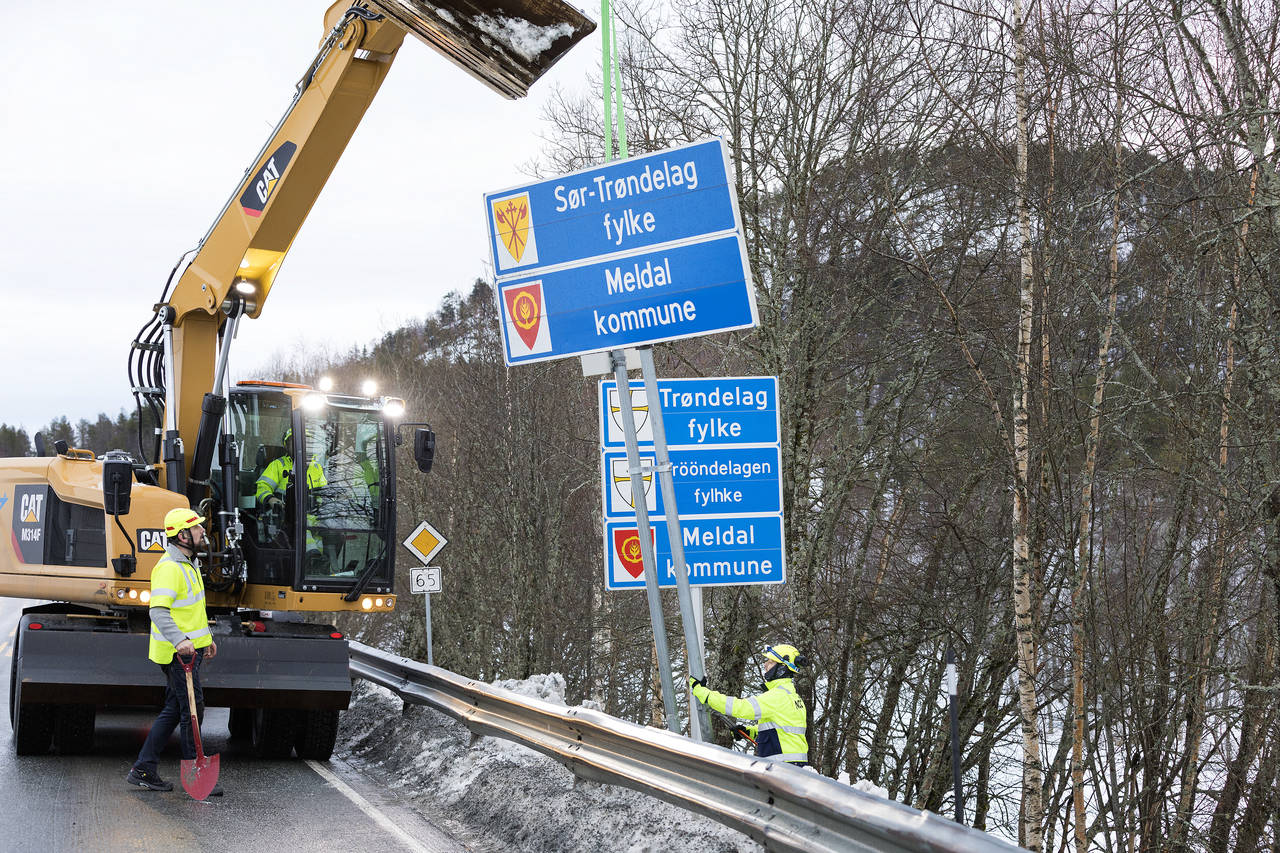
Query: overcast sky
127	126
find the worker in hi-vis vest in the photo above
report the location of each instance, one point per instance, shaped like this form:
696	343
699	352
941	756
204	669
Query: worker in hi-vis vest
272	487
273	482
776	719
179	625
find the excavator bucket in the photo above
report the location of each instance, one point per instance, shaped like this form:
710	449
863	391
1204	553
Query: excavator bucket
507	44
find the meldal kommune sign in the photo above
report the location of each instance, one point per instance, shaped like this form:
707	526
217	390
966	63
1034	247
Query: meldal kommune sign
630	253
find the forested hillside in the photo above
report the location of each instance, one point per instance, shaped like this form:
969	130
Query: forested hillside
1017	279
99	435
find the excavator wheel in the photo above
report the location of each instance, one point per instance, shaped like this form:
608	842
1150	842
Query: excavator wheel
240	723
317	733
273	732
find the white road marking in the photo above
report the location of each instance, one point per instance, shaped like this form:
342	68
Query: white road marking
368	808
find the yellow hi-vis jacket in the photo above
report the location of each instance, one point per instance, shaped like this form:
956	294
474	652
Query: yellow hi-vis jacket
775	719
177	585
275	478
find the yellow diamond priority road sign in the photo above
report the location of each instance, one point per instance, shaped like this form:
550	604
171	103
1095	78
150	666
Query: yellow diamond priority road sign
425	542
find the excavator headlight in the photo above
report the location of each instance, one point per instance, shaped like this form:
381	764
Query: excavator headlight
368	388
146	596
393	407
246	287
314	402
367	603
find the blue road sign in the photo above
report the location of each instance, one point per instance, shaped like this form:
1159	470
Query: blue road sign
718	551
699	412
622	206
677	291
631	253
708	481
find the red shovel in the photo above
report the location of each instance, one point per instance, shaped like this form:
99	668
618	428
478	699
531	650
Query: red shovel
199	774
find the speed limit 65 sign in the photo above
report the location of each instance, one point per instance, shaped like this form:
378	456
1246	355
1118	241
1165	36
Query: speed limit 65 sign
424	580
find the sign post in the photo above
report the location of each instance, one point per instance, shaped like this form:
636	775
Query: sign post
645	542
424	543
424	581
698	719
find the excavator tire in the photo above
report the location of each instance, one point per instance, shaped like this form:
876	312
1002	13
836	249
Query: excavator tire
317	733
273	731
240	723
73	728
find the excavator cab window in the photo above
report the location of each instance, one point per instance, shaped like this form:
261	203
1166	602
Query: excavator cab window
314	492
261	422
346	489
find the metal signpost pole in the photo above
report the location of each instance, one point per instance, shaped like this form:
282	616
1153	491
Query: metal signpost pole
646	538
699	721
427	598
424	543
698	617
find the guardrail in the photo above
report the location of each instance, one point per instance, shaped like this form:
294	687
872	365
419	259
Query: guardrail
783	807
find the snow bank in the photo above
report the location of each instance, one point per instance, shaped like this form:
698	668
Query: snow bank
496	794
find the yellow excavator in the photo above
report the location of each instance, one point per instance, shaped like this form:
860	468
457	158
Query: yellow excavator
84	532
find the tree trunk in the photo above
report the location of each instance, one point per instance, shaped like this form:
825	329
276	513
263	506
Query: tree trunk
1032	776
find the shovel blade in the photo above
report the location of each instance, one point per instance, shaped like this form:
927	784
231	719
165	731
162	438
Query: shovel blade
506	44
200	775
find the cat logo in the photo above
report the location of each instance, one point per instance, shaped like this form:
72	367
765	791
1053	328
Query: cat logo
29	505
31	508
152	539
262	185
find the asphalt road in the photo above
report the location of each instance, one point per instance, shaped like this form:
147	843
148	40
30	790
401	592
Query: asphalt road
54	802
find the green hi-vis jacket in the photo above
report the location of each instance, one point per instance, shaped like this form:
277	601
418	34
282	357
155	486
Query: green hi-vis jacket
177	585
775	719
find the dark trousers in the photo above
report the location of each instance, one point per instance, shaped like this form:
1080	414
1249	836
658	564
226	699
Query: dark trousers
174	714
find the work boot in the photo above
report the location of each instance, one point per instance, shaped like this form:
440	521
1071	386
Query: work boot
148	780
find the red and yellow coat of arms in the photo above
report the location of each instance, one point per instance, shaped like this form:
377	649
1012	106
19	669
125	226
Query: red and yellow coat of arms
626	547
524	312
513	225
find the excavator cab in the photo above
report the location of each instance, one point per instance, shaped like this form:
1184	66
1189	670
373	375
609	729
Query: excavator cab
315	489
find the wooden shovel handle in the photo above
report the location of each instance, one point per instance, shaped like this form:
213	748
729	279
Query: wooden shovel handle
191	704
191	693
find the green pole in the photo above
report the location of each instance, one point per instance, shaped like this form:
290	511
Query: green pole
606	76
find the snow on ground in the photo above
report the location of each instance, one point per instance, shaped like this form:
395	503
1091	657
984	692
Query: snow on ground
494	794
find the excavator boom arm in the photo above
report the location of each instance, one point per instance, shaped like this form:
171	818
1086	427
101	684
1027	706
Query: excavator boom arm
507	44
